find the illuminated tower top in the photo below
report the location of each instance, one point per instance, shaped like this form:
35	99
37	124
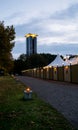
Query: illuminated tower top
31	35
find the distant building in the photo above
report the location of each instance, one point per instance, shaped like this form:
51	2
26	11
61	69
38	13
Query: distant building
31	44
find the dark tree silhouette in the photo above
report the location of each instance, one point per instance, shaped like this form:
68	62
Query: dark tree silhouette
33	61
7	35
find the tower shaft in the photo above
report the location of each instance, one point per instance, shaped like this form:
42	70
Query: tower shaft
31	44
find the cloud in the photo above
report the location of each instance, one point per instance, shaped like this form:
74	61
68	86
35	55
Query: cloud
69	13
17	19
55	22
58	28
20	39
62	49
49	32
52	29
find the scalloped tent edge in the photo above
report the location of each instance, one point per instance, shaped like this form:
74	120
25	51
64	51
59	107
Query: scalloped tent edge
58	61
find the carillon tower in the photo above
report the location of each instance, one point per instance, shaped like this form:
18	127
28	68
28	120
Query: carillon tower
31	44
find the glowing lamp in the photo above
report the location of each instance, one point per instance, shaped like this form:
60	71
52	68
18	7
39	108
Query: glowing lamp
28	89
55	68
34	69
66	67
28	93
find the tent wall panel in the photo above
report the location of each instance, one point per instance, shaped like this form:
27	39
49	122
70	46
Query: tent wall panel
67	74
60	74
51	73
39	73
74	73
55	77
28	72
32	73
35	72
47	73
42	73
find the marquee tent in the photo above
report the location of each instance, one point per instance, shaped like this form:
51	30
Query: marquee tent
73	61
58	61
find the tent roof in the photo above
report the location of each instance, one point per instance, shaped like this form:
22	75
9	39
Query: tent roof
58	61
74	60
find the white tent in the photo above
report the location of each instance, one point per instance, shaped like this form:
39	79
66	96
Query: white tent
58	61
74	60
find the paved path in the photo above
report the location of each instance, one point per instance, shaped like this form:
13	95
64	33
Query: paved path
62	96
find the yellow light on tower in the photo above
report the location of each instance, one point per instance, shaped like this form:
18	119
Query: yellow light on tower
31	35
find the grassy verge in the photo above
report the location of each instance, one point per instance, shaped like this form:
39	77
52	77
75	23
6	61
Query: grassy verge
18	114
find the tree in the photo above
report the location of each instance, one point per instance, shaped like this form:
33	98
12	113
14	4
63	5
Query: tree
36	60
33	61
7	35
20	64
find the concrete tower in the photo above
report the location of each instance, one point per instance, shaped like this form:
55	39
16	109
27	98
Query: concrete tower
31	44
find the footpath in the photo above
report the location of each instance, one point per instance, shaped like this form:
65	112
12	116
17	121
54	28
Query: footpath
62	96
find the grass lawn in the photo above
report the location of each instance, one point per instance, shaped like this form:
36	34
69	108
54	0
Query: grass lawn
18	114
